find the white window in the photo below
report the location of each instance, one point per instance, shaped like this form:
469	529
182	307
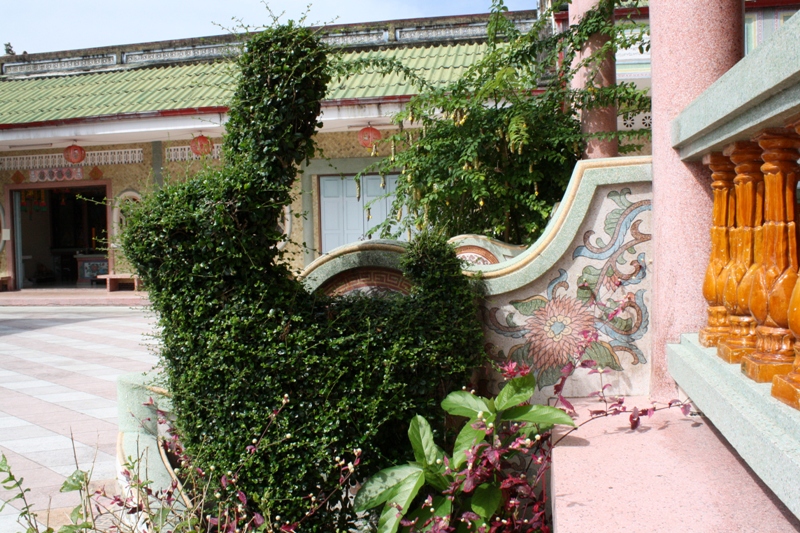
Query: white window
344	217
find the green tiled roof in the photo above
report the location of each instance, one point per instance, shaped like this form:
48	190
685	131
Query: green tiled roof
112	93
149	89
437	64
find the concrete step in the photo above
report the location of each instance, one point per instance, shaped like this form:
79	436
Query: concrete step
674	473
73	297
763	431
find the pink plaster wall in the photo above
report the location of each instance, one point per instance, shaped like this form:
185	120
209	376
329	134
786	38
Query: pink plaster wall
596	119
694	42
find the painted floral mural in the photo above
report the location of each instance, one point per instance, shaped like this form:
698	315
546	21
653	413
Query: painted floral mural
598	315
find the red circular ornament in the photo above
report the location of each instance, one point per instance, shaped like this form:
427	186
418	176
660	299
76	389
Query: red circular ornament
74	154
367	136
201	145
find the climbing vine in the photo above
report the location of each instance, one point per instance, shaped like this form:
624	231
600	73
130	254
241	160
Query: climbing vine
492	152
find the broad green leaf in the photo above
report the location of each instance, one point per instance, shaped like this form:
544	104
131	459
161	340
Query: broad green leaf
621	197
385	485
529	306
76	514
612	220
462	403
486	500
421	437
436	478
516	391
519	353
589	277
541	415
624	325
403	496
466	439
76	481
603	353
549	376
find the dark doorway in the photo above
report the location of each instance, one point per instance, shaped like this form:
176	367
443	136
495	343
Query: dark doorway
63	236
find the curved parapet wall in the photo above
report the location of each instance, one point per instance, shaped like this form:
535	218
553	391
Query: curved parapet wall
481	250
360	266
142	407
572	212
580	292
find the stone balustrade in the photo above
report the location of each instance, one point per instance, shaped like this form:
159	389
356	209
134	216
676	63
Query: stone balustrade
749	140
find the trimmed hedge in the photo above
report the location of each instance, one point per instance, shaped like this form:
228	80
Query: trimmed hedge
238	332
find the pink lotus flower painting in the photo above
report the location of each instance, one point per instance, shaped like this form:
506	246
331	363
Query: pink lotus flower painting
603	318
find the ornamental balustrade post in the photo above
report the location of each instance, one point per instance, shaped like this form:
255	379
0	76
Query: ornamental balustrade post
787	388
744	250
776	274
723	220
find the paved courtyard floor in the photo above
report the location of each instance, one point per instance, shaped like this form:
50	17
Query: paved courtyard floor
58	371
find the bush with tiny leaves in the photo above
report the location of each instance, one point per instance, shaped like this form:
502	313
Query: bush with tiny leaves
239	332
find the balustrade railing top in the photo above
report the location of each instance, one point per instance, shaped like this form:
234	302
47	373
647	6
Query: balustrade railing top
761	91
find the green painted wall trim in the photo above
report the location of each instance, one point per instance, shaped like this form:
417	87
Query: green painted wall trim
760	91
344	165
542	255
158	163
309	217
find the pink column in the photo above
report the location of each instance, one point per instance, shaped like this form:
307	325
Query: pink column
693	44
595	120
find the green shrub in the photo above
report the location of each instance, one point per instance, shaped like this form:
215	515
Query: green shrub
238	332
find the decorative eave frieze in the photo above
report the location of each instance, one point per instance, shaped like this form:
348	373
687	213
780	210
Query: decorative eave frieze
182	54
386	33
365	38
184	153
69	64
98	158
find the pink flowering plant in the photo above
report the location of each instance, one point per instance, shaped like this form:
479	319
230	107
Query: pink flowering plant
493	480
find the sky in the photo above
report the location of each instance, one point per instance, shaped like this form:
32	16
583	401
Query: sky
54	25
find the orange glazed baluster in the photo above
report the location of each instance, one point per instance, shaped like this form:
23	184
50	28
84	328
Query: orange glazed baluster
744	250
723	220
787	388
776	275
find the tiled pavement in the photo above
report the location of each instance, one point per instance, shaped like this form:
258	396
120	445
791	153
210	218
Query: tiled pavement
58	370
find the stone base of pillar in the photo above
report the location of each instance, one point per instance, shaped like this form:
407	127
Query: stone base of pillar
731	354
740	342
762	371
773	356
787	389
717	329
